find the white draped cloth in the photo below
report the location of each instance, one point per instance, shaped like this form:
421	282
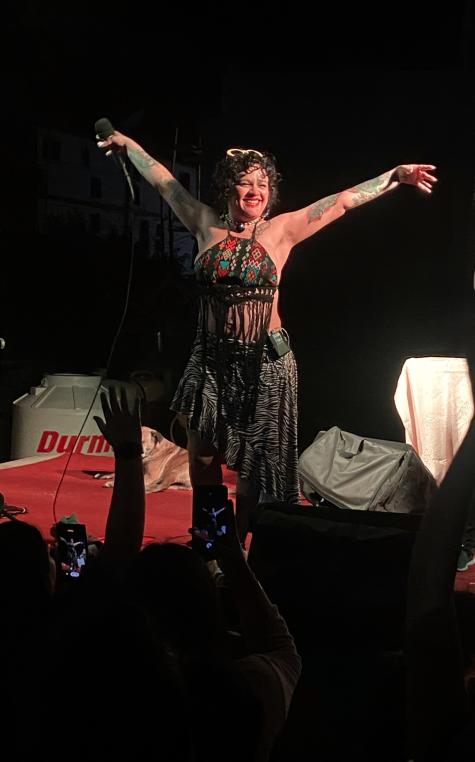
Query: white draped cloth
434	400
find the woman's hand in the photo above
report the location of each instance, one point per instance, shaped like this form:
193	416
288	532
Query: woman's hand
116	139
418	175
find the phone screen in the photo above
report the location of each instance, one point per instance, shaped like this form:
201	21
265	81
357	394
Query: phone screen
211	516
71	549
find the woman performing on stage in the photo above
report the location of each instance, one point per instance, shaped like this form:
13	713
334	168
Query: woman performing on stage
238	393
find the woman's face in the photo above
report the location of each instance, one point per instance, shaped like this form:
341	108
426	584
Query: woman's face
250	196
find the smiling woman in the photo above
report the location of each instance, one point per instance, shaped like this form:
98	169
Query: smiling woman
245	184
251	195
238	393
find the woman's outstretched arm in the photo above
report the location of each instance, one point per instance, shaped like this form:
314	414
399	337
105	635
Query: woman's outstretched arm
195	216
299	225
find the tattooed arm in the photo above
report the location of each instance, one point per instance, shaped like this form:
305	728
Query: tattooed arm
194	215
305	222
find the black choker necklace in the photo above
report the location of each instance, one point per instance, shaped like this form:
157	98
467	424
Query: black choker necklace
240	226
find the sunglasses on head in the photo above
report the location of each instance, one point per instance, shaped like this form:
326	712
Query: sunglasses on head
243	152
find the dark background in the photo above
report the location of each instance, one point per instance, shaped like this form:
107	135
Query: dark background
338	98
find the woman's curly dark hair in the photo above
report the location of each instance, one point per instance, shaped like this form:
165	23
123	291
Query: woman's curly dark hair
228	170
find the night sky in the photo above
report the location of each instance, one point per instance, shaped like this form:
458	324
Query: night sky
337	104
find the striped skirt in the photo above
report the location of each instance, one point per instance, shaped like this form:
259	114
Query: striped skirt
264	449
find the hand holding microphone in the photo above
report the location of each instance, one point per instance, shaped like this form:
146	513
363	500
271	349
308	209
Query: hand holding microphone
107	136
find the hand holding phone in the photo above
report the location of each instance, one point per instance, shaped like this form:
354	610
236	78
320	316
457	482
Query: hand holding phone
212	512
71	549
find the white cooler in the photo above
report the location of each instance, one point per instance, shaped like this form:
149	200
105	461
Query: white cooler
48	420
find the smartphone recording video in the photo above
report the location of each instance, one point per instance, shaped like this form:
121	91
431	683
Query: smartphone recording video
71	549
212	513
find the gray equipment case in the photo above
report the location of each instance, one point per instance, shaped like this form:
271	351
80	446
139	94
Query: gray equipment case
363	474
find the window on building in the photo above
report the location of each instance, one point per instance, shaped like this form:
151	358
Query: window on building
96	187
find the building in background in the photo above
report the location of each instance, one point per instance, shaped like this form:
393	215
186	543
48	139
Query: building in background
81	191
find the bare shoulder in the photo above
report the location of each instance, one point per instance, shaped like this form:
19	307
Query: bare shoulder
212	233
209	229
270	233
211	216
210	222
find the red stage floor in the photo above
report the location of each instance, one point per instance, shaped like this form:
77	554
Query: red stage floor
32	483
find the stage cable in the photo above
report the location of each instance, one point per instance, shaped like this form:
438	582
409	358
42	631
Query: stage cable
130	200
130	231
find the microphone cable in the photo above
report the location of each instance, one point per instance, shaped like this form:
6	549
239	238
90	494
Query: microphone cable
130	198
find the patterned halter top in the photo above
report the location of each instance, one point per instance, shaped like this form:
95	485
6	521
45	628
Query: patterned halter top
237	281
239	261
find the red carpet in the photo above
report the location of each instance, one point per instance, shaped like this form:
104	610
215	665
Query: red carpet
168	513
33	486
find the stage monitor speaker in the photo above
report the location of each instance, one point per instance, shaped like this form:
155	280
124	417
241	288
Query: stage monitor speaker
337	575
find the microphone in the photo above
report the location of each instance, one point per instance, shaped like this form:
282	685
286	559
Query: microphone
104	129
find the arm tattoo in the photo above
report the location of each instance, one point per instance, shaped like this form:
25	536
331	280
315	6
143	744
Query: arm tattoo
368	190
141	159
317	210
180	196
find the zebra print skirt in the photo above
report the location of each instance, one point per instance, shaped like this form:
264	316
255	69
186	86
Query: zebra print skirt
264	449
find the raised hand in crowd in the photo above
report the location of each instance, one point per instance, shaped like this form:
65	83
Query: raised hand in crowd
125	522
